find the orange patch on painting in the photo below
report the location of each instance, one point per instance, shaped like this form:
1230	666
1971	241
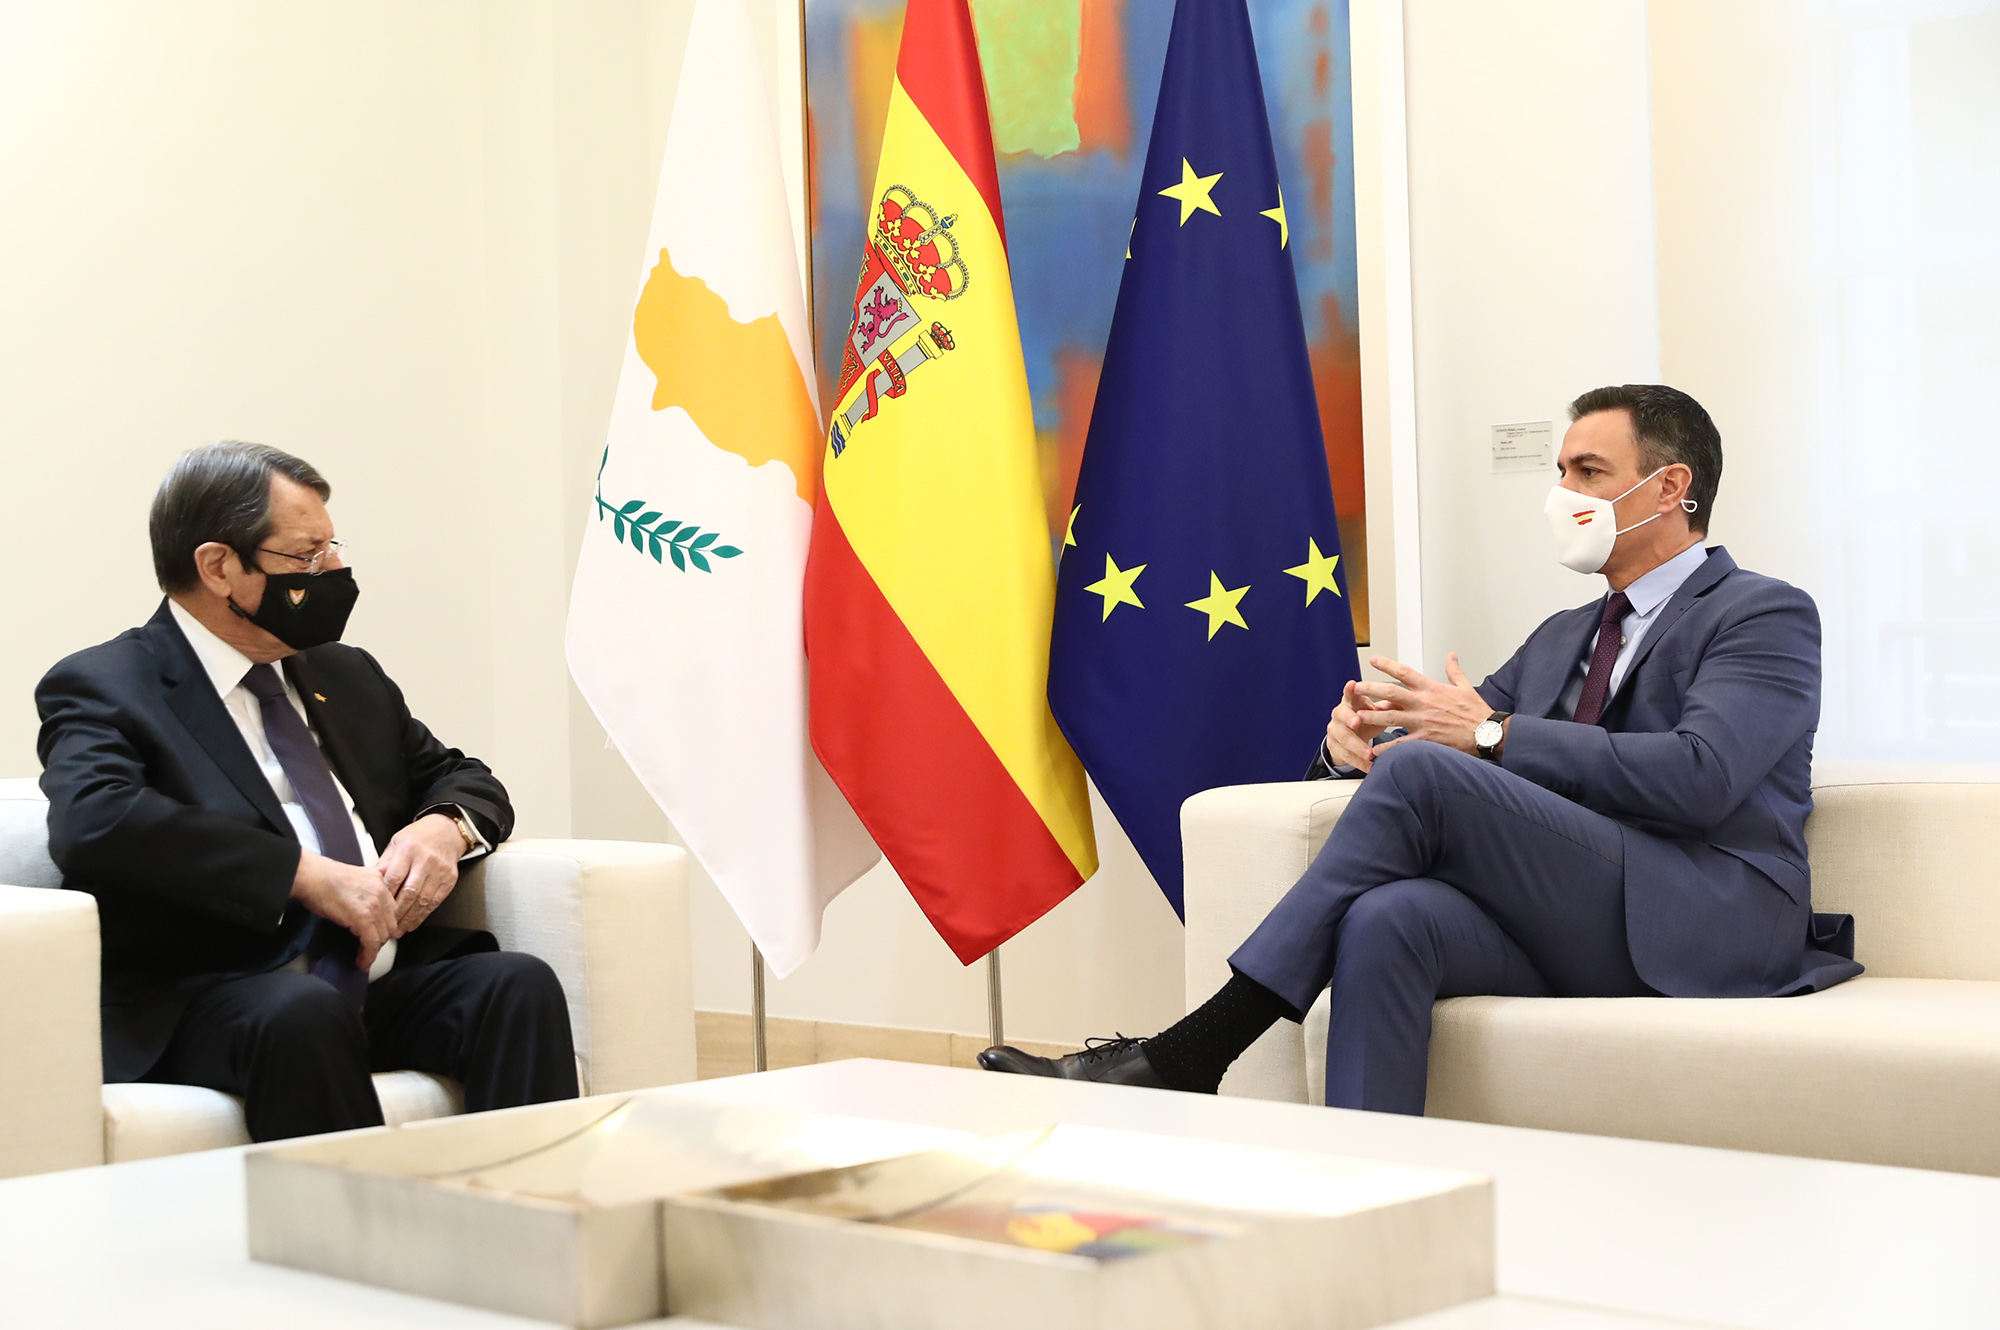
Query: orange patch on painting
1077	371
702	358
872	45
1336	371
1316	152
1103	119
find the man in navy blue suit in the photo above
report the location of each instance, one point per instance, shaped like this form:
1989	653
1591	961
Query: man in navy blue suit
1618	811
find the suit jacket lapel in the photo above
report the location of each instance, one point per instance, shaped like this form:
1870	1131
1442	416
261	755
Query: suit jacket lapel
1546	678
192	698
1718	565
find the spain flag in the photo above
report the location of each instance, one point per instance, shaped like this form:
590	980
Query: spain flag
930	585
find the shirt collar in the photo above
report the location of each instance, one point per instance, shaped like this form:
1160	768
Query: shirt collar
1650	590
224	664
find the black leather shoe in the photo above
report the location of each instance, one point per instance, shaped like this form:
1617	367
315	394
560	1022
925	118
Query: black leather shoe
1118	1061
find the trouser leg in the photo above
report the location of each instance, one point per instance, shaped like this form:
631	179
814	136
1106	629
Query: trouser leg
1548	872
1402	946
496	1022
287	1043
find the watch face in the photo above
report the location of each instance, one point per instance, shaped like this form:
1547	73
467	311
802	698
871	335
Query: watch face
1487	733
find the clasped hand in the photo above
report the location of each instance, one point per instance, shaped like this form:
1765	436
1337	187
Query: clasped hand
1444	713
417	870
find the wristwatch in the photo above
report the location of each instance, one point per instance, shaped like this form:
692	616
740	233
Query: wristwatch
466	831
1488	735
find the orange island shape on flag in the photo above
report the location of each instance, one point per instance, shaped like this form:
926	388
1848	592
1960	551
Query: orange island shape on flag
930	585
684	627
698	355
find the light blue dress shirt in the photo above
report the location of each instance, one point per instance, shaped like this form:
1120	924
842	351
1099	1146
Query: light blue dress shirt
1648	594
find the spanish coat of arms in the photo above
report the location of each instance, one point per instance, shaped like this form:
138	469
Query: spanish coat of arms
910	255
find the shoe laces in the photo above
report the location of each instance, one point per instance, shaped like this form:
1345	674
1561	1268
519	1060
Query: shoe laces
1097	1049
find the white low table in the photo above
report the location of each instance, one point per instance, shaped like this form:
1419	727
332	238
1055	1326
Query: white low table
1594	1233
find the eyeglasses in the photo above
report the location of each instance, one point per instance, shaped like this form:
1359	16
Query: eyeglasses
315	563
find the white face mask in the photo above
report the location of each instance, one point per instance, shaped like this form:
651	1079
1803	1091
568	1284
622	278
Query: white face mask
1586	527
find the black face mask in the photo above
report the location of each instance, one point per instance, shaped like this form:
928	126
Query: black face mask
303	610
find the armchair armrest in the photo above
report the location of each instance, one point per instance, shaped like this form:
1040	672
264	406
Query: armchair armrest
611	918
1244	846
51	1056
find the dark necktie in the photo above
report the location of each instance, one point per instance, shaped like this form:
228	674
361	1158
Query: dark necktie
331	950
1610	638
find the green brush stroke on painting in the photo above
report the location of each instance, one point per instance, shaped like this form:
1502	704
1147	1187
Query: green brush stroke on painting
1030	50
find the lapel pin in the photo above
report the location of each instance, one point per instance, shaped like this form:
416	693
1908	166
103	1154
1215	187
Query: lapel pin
321	697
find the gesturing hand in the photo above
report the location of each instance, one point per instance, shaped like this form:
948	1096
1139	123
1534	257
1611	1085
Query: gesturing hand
355	898
1353	729
1444	713
420	865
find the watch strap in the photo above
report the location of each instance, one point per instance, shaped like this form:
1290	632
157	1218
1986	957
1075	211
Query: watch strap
467	830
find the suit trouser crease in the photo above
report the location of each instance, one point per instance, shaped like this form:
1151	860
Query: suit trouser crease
1446	876
301	1058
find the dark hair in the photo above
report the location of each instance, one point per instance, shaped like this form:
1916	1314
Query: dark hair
221	492
1670	427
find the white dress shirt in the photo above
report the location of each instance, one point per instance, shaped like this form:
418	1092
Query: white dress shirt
1648	593
226	667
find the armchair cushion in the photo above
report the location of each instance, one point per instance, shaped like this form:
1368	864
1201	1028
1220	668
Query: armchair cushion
1245	845
610	917
144	1121
1900	1066
24	836
1905	849
50	1058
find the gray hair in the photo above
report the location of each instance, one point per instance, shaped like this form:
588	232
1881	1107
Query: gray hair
219	492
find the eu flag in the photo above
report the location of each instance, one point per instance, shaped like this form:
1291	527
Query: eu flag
1202	632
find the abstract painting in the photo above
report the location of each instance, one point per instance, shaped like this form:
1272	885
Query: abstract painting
1071	86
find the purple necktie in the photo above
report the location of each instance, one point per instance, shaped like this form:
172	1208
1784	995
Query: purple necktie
331	950
1596	684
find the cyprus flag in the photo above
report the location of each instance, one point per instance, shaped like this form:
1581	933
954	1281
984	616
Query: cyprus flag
684	624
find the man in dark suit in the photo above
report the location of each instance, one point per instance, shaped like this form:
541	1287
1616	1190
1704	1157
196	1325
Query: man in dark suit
266	829
1619	810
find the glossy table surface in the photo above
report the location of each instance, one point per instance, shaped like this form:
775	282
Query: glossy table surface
1594	1233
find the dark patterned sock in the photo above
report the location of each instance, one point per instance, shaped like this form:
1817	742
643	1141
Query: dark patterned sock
1192	1053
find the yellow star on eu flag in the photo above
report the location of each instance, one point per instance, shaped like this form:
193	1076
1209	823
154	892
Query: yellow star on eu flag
1069	533
1116	586
1277	215
1192	192
1316	572
1220	605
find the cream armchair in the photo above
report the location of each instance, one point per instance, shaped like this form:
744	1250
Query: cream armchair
1900	1066
611	917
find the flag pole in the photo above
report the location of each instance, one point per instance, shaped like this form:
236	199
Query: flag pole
759	1053
995	1033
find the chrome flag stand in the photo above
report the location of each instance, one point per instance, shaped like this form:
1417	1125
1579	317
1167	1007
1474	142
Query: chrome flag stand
760	1057
995	1034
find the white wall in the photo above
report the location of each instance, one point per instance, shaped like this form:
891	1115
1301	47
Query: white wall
393	239
1828	189
403	241
1531	242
